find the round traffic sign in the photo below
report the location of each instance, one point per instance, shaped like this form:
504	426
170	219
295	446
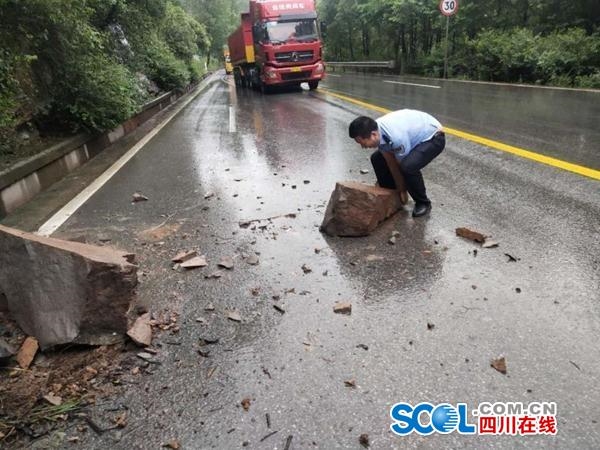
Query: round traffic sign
448	7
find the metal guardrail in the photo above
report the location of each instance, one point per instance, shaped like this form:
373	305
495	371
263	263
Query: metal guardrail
373	64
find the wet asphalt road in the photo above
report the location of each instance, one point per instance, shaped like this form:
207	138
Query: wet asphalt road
283	154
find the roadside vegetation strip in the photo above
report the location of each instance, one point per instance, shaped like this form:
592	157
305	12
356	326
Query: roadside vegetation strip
62	215
528	154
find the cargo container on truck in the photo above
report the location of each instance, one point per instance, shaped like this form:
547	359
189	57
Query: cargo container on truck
277	43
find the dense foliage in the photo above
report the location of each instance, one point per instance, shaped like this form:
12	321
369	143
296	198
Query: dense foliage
91	64
539	41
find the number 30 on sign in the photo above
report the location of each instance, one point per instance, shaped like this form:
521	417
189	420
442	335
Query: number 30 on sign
449	7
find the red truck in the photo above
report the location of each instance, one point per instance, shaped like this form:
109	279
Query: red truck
277	43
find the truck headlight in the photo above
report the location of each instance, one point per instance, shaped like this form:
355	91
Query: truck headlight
270	73
320	68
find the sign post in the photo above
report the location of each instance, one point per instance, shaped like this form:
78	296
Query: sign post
447	8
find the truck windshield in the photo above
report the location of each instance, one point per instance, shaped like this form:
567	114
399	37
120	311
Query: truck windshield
297	30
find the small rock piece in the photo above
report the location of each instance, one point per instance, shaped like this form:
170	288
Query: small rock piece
364	440
234	315
27	352
350	383
364	171
184	256
137	197
252	260
470	234
499	364
226	262
173	444
246	404
215	274
306	269
141	331
490	244
195	262
342	308
53	399
430	326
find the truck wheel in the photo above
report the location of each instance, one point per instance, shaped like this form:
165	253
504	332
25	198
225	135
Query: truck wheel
312	85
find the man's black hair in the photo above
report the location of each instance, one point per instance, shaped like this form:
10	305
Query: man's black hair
362	127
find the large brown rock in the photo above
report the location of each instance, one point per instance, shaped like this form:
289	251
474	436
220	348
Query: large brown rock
355	209
61	291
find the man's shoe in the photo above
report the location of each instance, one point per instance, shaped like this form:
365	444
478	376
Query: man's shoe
421	209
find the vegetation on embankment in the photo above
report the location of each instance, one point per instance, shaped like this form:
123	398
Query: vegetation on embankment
73	65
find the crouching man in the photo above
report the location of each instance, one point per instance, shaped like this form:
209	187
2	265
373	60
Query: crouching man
406	141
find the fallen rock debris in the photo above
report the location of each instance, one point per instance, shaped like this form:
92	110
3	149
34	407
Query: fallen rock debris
342	308
499	364
53	399
226	262
252	260
214	275
364	440
88	288
137	197
27	352
470	234
173	444
234	315
356	209
141	331
195	262
246	404
184	256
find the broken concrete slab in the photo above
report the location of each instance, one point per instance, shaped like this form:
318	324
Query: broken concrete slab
355	209
62	292
141	331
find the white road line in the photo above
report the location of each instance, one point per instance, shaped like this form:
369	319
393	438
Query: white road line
333	75
60	217
232	119
413	84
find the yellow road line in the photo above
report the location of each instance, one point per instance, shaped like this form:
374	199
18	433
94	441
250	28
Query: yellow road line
528	154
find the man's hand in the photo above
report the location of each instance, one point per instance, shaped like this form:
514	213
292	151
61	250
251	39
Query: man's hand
403	196
394	167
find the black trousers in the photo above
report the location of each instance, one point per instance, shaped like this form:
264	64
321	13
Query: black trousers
410	167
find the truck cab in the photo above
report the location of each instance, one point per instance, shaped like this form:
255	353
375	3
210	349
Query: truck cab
286	44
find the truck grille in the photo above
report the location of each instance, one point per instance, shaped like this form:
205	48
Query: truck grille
295	76
284	57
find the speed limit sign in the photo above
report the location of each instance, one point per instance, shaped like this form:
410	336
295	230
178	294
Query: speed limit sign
448	7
